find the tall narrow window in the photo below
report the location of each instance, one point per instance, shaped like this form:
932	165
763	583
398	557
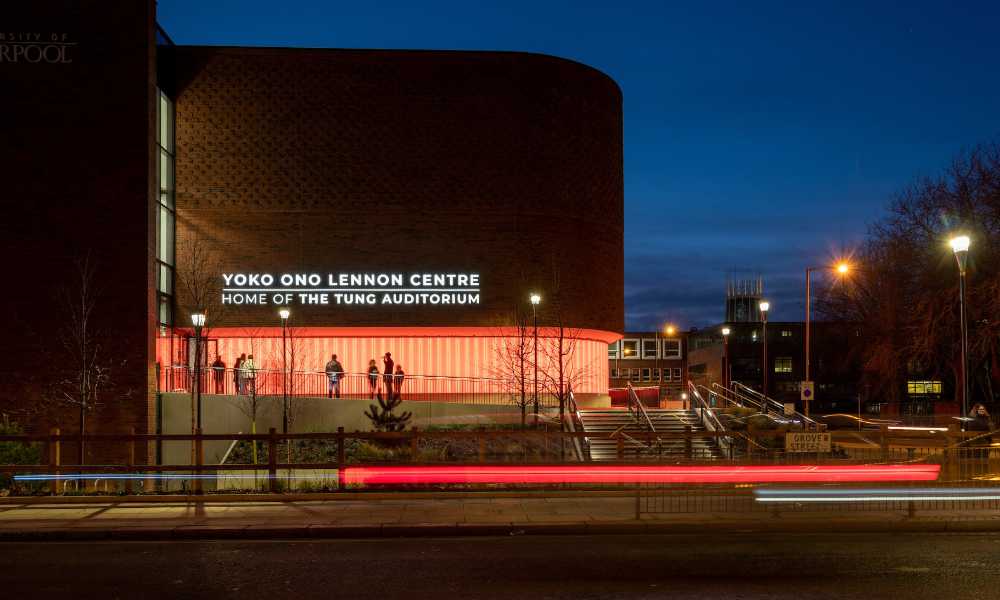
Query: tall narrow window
165	216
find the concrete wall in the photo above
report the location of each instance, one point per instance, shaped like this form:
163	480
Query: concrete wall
228	414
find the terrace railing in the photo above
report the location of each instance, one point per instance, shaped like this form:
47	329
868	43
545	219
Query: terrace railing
269	382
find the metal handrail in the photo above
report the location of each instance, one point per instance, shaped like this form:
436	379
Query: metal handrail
711	393
640	415
708	417
299	383
580	445
745	399
639	412
729	395
777	405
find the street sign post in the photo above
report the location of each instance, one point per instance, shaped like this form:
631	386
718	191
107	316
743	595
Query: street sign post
806	394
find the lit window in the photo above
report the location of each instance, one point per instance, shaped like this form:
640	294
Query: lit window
921	388
783	364
786	333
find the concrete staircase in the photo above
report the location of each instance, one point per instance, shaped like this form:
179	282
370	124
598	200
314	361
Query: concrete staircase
602	423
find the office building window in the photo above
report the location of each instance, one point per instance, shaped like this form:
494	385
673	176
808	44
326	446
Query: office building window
634	375
783	364
649	348
656	374
613	350
671	349
922	388
786	333
165	218
677	374
645	374
630	348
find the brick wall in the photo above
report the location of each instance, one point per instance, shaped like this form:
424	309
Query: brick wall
77	179
505	164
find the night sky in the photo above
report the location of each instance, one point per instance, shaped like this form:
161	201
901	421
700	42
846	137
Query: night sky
760	138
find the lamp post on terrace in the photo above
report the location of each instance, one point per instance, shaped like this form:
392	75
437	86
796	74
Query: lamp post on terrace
284	314
725	357
198	320
960	246
842	268
668	331
764	307
535	300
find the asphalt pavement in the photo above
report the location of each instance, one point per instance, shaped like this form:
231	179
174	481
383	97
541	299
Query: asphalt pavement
733	566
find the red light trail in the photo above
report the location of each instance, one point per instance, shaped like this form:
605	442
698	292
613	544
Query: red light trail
611	474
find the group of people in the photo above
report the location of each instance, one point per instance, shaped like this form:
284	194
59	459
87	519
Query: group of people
244	374
392	376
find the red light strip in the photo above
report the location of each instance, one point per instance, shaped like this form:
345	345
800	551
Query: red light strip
640	474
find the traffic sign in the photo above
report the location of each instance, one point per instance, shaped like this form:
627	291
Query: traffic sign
806	391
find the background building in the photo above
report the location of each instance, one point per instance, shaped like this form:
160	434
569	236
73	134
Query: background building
648	358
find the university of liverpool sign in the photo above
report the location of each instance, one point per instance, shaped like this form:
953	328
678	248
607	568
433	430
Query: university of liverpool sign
36	47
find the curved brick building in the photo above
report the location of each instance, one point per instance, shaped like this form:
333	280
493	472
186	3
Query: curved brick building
403	201
354	174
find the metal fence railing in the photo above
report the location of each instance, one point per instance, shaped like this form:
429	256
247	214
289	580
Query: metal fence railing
958	460
264	382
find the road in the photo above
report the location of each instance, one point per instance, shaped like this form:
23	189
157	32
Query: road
900	566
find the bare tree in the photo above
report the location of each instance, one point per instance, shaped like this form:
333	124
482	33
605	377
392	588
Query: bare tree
86	370
199	290
513	362
248	403
559	370
905	296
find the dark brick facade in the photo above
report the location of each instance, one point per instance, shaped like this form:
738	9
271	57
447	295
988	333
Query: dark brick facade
77	175
507	164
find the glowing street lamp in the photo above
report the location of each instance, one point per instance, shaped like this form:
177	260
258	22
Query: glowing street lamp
198	320
725	356
535	299
960	246
764	307
842	268
668	331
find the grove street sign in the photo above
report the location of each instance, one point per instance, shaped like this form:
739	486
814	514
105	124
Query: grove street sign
807	442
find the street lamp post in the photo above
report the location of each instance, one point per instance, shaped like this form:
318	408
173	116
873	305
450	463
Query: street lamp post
842	269
535	299
284	314
764	307
960	246
725	357
198	320
668	332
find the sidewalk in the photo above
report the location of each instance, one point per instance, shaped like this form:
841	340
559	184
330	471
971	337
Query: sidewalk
414	517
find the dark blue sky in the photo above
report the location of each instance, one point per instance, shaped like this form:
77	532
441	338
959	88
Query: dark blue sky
760	137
